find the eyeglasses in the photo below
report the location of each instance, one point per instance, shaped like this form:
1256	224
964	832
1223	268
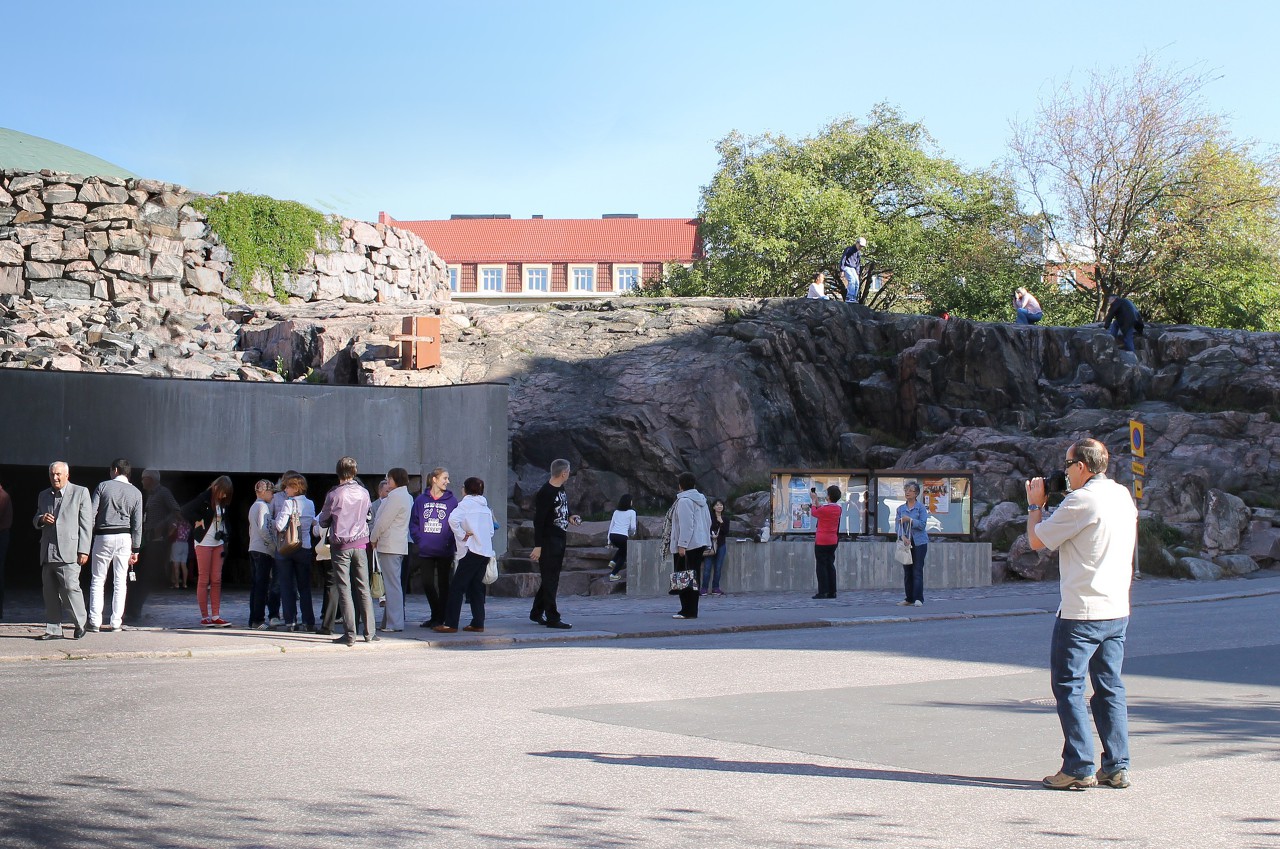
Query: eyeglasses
1072	462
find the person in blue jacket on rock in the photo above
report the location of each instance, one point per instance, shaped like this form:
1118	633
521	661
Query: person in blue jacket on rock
433	542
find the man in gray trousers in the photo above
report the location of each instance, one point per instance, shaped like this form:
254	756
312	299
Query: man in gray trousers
64	516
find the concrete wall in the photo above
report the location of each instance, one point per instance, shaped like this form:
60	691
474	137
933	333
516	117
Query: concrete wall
789	567
257	428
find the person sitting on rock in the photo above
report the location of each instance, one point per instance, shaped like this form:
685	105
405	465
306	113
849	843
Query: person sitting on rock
1026	307
817	289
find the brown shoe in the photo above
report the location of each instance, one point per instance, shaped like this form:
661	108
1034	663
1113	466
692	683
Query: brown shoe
474	629
1062	781
444	629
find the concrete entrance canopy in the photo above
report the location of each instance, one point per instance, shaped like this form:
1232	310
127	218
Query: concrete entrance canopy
255	428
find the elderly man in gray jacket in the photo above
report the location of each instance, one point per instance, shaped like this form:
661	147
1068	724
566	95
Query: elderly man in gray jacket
64	516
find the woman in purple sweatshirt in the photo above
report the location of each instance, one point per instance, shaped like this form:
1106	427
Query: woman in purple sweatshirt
433	542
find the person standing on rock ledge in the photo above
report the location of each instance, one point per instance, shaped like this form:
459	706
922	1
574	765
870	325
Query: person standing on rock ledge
551	520
851	270
1095	529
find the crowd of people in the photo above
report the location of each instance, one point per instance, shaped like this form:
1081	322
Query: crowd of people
360	545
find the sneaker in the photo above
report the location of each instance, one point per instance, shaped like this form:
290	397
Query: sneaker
1062	781
559	626
219	622
275	622
717	591
91	628
207	622
918	603
263	626
614	577
1118	779
613	565
682	616
106	629
904	604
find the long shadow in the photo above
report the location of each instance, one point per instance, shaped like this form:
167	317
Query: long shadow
778	768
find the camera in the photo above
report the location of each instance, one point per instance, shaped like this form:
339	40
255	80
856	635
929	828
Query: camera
220	535
1055	483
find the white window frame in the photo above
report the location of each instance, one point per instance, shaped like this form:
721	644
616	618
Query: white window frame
620	267
528	288
1066	280
573	277
481	288
455	277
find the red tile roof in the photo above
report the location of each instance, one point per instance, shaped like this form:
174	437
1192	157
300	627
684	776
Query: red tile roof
558	239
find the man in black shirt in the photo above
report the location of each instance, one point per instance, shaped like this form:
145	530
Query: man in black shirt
551	520
1127	320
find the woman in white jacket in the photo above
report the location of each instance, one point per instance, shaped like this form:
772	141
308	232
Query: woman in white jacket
472	525
390	540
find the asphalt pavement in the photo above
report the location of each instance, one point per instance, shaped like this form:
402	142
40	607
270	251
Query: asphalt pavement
171	625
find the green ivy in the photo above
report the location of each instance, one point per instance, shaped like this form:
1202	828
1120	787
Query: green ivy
266	235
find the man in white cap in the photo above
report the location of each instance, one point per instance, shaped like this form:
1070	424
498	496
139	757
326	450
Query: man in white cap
851	269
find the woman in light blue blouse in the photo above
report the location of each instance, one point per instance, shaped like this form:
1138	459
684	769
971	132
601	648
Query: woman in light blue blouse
913	518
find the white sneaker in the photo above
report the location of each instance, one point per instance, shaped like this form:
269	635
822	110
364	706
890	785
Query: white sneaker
918	604
265	626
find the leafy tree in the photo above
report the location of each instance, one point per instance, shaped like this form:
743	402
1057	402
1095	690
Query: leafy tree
778	210
1134	168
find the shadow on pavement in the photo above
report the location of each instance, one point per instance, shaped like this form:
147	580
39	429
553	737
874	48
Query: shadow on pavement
778	768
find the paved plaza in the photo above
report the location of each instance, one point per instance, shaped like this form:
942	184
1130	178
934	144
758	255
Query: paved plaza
770	721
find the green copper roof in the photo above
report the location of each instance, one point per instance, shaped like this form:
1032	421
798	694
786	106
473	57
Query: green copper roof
21	152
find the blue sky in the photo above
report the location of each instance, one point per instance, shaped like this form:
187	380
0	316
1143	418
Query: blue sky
424	109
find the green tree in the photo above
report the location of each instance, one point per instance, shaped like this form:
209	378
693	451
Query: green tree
1135	169
779	210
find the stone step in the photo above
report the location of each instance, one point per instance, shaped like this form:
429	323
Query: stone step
585	582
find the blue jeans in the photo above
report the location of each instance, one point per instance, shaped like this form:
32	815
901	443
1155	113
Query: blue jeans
711	569
1123	335
913	574
293	574
1098	646
1026	316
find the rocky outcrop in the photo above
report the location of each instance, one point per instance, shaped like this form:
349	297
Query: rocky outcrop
634	391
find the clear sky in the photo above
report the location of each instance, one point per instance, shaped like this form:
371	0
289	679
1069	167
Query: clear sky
566	109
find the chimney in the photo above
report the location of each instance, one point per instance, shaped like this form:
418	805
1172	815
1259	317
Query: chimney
620	215
537	217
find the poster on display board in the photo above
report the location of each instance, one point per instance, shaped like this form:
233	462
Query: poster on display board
791	503
947	495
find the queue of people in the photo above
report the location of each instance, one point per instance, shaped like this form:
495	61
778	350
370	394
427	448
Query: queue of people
352	540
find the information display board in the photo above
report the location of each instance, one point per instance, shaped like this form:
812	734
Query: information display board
947	495
790	499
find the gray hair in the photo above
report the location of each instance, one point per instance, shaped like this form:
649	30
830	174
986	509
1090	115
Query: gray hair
62	463
150	474
911	485
559	467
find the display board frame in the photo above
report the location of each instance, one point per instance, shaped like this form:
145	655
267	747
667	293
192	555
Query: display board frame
947	493
789	501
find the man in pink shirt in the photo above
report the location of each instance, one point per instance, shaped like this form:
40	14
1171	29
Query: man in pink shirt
346	515
826	538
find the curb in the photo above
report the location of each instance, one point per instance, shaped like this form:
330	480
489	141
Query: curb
560	638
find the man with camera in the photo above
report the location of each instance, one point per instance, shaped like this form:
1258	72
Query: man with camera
1094	530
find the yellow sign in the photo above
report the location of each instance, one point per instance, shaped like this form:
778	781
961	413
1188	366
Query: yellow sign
1137	490
1137	440
1137	468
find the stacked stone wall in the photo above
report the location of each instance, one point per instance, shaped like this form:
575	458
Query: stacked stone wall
78	238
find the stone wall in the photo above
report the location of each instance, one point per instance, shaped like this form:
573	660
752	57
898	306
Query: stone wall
77	238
